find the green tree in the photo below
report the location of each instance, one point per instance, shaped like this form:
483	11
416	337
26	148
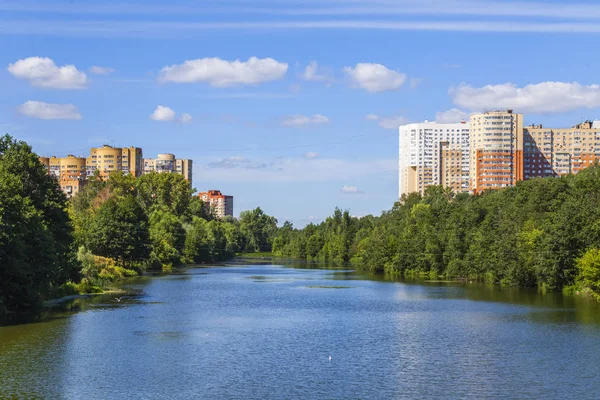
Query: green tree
120	231
167	237
589	271
36	243
258	229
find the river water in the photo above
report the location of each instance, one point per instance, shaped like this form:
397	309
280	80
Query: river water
268	332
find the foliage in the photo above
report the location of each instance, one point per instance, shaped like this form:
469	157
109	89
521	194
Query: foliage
119	230
589	271
258	229
540	233
36	250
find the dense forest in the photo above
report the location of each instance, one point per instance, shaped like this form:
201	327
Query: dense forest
51	246
541	233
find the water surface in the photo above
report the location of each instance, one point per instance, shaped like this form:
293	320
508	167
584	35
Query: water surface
266	331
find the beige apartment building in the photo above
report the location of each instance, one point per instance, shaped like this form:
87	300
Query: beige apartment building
168	163
496	150
70	171
560	151
107	159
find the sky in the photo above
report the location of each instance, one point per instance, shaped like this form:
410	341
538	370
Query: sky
293	106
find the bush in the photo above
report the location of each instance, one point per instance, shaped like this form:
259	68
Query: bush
589	271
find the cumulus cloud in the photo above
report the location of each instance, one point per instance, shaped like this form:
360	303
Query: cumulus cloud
41	110
374	77
311	155
44	73
101	70
542	98
185	118
453	115
167	114
350	190
390	122
295	121
162	113
222	73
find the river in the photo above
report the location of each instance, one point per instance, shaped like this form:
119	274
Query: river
268	332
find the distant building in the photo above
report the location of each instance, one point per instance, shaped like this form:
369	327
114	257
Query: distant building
433	154
560	151
219	204
168	163
497	144
107	159
70	172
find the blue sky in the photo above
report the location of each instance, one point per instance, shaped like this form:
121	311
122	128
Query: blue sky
306	119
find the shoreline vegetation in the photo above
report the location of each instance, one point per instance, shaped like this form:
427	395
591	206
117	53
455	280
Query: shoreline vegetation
542	233
52	247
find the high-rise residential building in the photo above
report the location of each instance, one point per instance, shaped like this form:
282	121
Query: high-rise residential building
219	204
433	154
107	159
496	150
168	163
70	172
560	151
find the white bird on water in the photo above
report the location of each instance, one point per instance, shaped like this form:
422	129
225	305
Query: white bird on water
329	358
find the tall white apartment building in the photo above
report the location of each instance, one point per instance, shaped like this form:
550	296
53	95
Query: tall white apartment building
433	154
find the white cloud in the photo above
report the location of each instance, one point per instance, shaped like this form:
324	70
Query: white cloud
542	98
303	120
42	72
350	190
185	118
101	70
221	73
178	29
162	113
391	122
314	73
41	110
311	155
374	77
451	116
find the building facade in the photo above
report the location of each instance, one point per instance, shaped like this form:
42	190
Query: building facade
433	154
107	159
496	150
217	203
70	171
169	164
560	151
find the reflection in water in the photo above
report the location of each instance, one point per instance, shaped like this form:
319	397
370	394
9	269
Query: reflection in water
263	331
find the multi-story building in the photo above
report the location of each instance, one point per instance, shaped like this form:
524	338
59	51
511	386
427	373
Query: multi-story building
70	172
560	151
434	154
107	159
217	203
496	150
168	163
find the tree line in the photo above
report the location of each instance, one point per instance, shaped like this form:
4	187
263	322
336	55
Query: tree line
541	233
112	228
